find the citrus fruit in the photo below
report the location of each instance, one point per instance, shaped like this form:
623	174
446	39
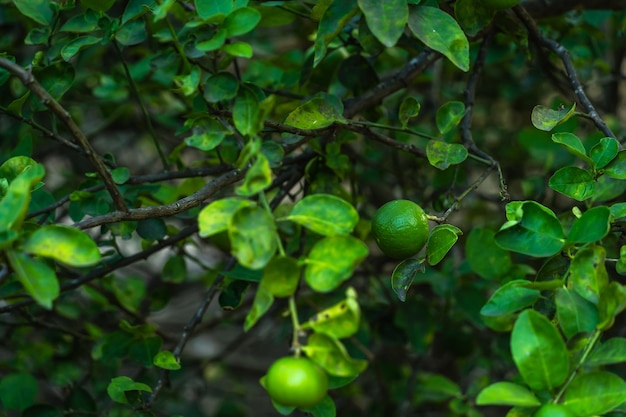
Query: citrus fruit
553	410
296	382
400	228
500	4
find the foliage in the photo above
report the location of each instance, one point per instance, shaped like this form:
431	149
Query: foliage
156	150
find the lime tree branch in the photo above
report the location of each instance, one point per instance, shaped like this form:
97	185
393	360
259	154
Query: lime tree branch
27	78
535	34
386	140
178	206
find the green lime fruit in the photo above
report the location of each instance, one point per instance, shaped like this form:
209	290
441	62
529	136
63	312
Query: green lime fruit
400	228
553	410
500	4
296	382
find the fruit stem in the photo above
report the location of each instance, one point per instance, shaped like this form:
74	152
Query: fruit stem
295	343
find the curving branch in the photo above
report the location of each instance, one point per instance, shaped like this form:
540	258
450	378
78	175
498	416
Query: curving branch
29	81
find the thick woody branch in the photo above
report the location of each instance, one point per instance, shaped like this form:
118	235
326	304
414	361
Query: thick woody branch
27	78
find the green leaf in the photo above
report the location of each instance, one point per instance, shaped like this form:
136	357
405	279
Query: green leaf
206	134
449	116
281	276
473	16
37	278
594	393
510	298
587	273
136	8
317	113
263	300
546	119
120	175
538	232
339	321
14	204
174	270
246	112
538	351
241	21
129	291
441	154
253	237
143	350
334	19
610	352
575	314
331	354
152	229
617	167
73	47
166	360
573	182
439	31
118	387
257	178
239	49
386	19
572	144
65	244
332	261
442	238
325	214
618	210
18	391
132	33
592	226
604	152
38	10
188	83
484	256
436	388
507	393
215	42
215	217
221	87
612	302
403	275
207	9
409	108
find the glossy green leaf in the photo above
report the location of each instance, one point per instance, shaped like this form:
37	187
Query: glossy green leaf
325	214
118	387
166	360
188	83
241	21
484	256
594	393
215	42
220	87
340	320
386	19
571	143
129	291
334	19
206	134
238	49
538	351
612	302
37	278
120	175
215	217
538	232
257	178
403	275
449	116
281	276
152	229
316	113
574	182
442	238
604	152
81	23
246	113
587	273
14	204
160	11
263	300
74	46
507	393
253	237
18	391
592	226
441	154
439	31
38	10
210	8
174	270
136	8
65	244
331	354
332	261
617	167
575	314
249	151
132	33
409	108
618	210
509	299
473	16
14	166
546	119
610	352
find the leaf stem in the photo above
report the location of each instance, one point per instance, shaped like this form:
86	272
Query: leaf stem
588	348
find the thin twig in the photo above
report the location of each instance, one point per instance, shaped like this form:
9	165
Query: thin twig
29	81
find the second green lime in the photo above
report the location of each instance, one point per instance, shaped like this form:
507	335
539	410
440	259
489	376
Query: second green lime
400	228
